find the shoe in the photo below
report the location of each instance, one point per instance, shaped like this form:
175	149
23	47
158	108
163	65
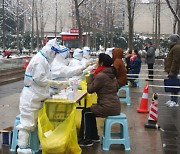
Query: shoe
168	102
176	105
24	151
96	139
172	104
86	143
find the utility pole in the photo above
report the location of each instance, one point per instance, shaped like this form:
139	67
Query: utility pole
3	27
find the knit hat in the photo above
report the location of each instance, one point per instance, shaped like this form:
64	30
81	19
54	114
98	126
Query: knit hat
105	59
174	38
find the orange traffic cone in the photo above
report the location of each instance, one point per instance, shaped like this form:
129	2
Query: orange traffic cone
26	63
153	115
143	108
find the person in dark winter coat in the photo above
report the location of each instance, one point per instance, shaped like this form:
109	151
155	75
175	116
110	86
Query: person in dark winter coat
135	67
172	64
150	60
127	58
118	63
103	81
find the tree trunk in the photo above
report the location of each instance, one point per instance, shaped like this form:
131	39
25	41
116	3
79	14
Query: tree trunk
105	25
32	27
42	24
37	27
178	5
131	23
156	24
17	25
79	24
56	20
23	31
3	27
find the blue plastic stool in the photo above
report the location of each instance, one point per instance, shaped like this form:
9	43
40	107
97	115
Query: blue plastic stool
127	99
123	137
139	82
33	137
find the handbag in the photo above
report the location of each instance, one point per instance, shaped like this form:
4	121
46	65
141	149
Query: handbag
172	82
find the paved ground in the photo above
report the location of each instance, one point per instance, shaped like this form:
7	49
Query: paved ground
142	140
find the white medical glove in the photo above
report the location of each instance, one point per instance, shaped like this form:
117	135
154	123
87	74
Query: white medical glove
57	83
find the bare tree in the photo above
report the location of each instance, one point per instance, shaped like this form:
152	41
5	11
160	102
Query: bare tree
32	27
56	14
79	22
131	9
17	25
175	13
37	26
3	25
41	22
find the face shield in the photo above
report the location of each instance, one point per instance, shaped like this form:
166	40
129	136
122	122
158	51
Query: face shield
78	54
51	49
86	52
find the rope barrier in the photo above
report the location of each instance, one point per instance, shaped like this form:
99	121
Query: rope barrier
145	75
168	95
146	79
152	70
164	86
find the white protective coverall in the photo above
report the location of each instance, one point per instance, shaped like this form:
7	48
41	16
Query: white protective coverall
36	89
61	71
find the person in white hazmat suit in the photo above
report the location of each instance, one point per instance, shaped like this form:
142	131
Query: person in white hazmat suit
86	55
36	89
77	57
61	71
87	59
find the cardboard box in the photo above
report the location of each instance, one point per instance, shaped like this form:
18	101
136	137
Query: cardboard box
6	136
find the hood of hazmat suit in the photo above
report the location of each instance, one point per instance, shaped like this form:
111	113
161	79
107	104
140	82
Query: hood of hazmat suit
36	88
109	51
86	52
86	55
77	57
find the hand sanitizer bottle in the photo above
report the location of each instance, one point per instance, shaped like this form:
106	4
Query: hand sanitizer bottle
71	95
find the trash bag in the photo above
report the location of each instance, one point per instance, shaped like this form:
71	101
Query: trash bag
57	130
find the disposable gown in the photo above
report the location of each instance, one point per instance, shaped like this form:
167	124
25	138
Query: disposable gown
36	88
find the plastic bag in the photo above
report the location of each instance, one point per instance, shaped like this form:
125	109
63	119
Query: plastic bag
57	130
